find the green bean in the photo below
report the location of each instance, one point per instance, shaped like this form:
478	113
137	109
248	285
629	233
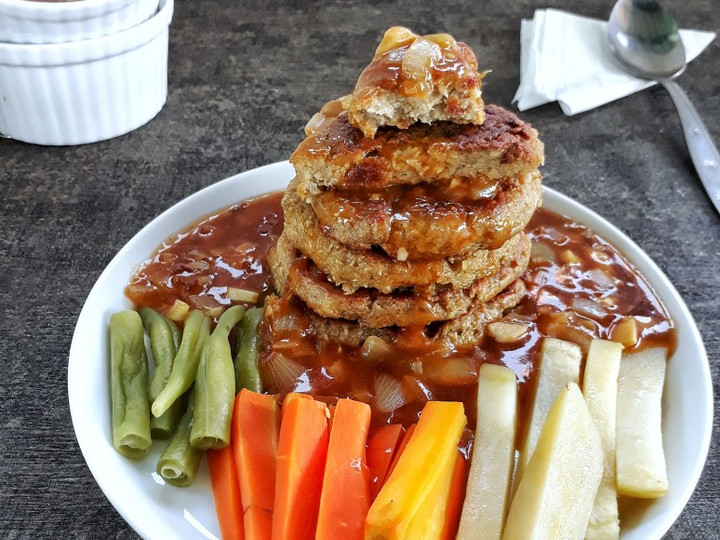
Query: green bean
164	341
179	462
247	341
175	331
129	385
215	386
195	335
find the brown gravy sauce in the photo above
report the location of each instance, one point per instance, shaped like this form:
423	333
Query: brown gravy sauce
579	288
198	265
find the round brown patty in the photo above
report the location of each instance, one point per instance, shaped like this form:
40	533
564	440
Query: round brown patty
338	156
354	269
294	273
429	221
464	331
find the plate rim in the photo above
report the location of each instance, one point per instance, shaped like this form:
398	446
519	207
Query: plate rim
571	208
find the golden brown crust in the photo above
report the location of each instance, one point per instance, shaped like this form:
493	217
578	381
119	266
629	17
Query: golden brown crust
423	220
339	156
353	269
294	273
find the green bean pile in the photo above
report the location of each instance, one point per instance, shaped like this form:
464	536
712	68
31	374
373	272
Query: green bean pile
189	399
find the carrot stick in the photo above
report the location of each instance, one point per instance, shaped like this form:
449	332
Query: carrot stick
345	495
412	503
302	449
226	492
256	420
456	498
401	448
258	523
289	398
381	449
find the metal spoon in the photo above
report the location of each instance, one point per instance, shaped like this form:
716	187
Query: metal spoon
645	39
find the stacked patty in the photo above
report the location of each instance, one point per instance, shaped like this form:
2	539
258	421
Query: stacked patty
410	201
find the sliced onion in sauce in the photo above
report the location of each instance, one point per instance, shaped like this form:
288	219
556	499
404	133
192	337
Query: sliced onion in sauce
451	371
389	393
421	55
279	372
587	307
394	37
290	322
209	305
140	288
374	349
600	278
315	124
334	108
542	253
446	41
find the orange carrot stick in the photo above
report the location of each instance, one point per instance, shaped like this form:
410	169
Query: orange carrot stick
226	492
401	448
302	449
381	449
345	495
289	398
412	503
258	523
256	420
456	498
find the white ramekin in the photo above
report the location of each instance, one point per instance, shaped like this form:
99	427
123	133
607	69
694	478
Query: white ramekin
23	21
86	91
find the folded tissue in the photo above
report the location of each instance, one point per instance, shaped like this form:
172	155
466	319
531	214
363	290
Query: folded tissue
566	58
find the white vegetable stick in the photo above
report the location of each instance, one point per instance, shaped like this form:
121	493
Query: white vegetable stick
559	365
600	391
641	470
486	498
555	496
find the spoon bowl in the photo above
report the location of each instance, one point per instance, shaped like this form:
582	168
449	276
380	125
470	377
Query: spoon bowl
645	40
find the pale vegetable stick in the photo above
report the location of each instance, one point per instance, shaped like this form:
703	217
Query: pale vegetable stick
556	493
600	391
486	499
640	458
559	365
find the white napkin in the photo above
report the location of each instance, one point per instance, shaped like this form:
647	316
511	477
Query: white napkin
566	58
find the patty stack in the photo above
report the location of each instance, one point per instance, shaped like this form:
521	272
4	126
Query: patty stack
410	200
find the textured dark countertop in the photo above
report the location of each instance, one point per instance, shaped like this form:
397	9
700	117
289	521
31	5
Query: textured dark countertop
244	78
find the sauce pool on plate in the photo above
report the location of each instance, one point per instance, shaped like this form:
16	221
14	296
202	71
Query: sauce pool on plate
579	288
198	266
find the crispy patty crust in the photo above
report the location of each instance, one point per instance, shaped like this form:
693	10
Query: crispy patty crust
339	156
464	331
293	272
353	269
427	221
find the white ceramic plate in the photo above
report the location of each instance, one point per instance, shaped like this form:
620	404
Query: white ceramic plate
162	512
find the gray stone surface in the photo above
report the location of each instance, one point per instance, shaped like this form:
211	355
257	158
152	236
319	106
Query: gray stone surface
244	78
